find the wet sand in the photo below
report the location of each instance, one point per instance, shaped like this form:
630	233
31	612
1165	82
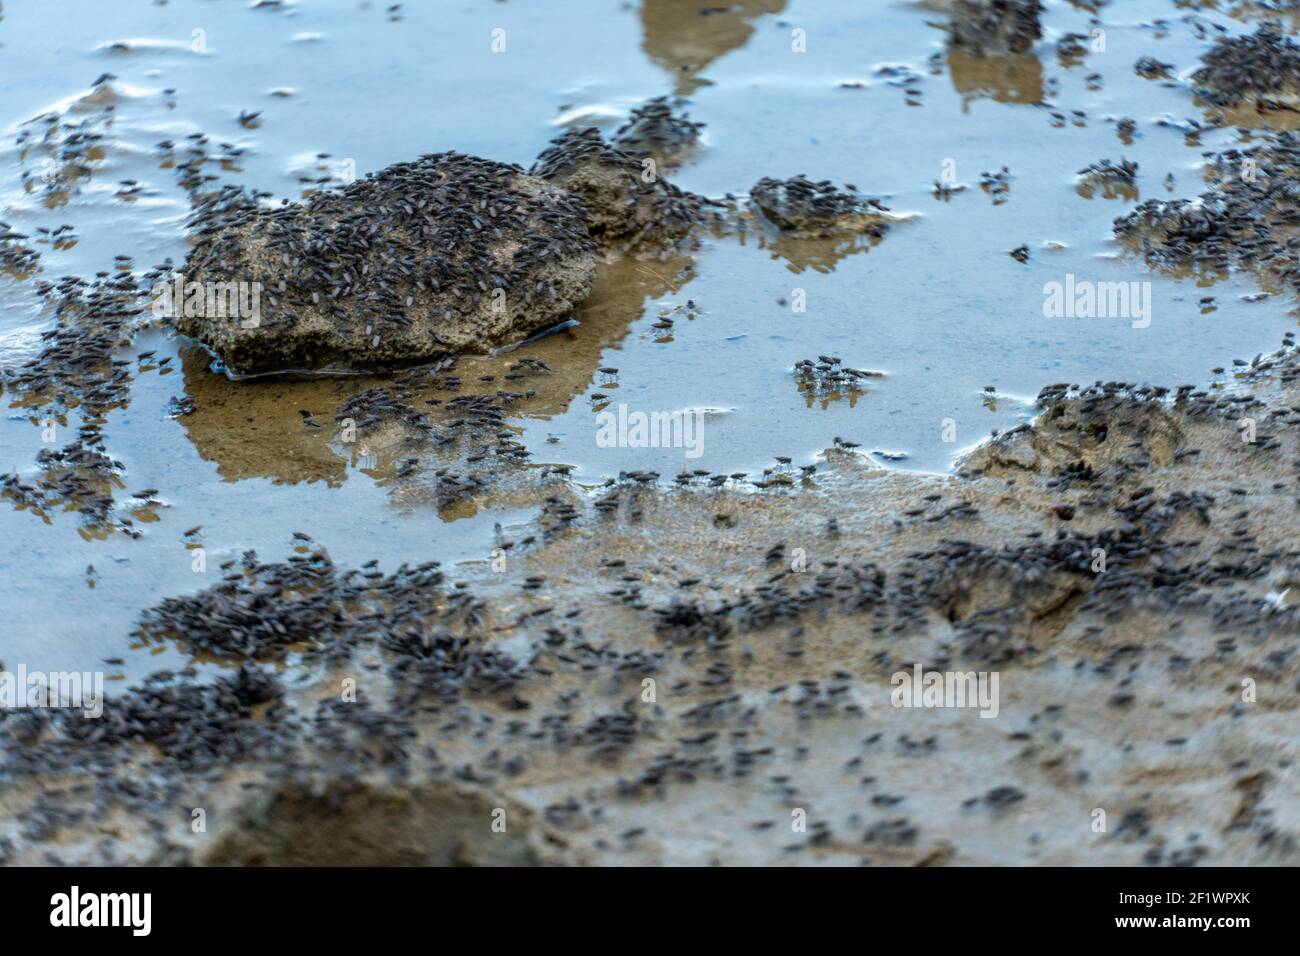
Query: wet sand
631	663
1121	689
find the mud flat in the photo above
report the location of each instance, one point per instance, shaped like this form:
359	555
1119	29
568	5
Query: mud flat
1125	565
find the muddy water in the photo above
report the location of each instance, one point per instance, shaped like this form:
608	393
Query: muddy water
939	306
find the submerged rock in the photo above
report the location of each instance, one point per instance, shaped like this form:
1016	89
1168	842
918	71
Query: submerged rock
995	26
629	206
808	209
1259	68
450	253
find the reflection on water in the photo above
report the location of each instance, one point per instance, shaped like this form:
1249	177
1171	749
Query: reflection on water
685	36
285	429
816	253
268	429
1004	79
1108	190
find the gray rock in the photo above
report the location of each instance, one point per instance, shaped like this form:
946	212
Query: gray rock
450	253
630	207
656	130
805	208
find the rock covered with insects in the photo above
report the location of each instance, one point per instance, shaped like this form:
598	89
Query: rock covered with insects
659	129
802	207
1105	171
1258	68
995	26
1240	222
450	253
1149	68
629	206
1109	178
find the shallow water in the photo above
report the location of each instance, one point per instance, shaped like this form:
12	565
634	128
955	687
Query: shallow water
344	88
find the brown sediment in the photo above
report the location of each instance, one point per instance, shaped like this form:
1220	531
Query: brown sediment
1123	564
1110	180
337	824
